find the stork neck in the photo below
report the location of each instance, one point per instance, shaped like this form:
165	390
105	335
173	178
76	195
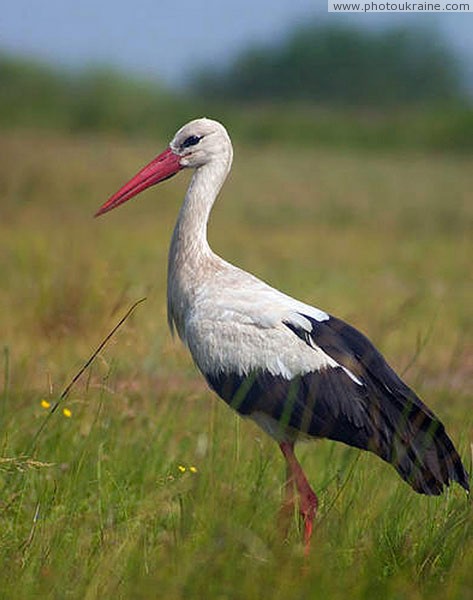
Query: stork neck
190	256
190	234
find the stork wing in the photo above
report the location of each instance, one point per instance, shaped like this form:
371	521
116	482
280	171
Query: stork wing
325	380
393	421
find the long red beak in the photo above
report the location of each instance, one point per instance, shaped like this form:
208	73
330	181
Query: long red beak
162	167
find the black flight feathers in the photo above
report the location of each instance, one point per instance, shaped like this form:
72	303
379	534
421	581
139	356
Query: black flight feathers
398	425
368	407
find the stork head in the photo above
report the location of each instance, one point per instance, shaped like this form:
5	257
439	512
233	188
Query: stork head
196	144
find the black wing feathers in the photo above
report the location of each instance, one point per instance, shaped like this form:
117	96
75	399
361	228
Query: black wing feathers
319	404
397	425
373	409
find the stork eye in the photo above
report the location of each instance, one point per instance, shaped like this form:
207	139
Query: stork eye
192	140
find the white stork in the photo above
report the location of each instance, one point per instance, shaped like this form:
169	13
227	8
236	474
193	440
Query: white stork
294	369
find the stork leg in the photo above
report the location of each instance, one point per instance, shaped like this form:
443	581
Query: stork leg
307	499
286	512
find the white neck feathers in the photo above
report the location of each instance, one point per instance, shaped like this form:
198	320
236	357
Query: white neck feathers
190	256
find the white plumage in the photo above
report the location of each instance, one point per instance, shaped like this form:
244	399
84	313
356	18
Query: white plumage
293	368
229	319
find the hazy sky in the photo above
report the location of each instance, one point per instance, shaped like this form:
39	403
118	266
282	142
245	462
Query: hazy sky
166	39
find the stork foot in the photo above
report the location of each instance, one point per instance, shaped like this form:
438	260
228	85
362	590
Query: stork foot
307	509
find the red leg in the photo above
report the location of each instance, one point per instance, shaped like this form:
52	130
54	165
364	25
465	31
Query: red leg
307	499
286	512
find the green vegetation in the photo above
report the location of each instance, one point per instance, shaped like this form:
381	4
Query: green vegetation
33	96
99	507
341	66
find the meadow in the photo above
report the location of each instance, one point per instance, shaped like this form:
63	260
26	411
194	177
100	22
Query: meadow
143	484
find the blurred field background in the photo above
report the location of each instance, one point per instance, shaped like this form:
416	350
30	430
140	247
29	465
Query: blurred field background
356	198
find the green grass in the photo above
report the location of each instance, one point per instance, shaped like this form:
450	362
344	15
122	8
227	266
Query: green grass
384	242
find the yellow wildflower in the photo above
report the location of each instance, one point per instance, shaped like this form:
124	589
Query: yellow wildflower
193	469
45	404
181	468
67	413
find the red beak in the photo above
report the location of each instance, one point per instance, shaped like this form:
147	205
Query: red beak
162	167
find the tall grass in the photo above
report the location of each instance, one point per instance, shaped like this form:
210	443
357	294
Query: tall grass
106	504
